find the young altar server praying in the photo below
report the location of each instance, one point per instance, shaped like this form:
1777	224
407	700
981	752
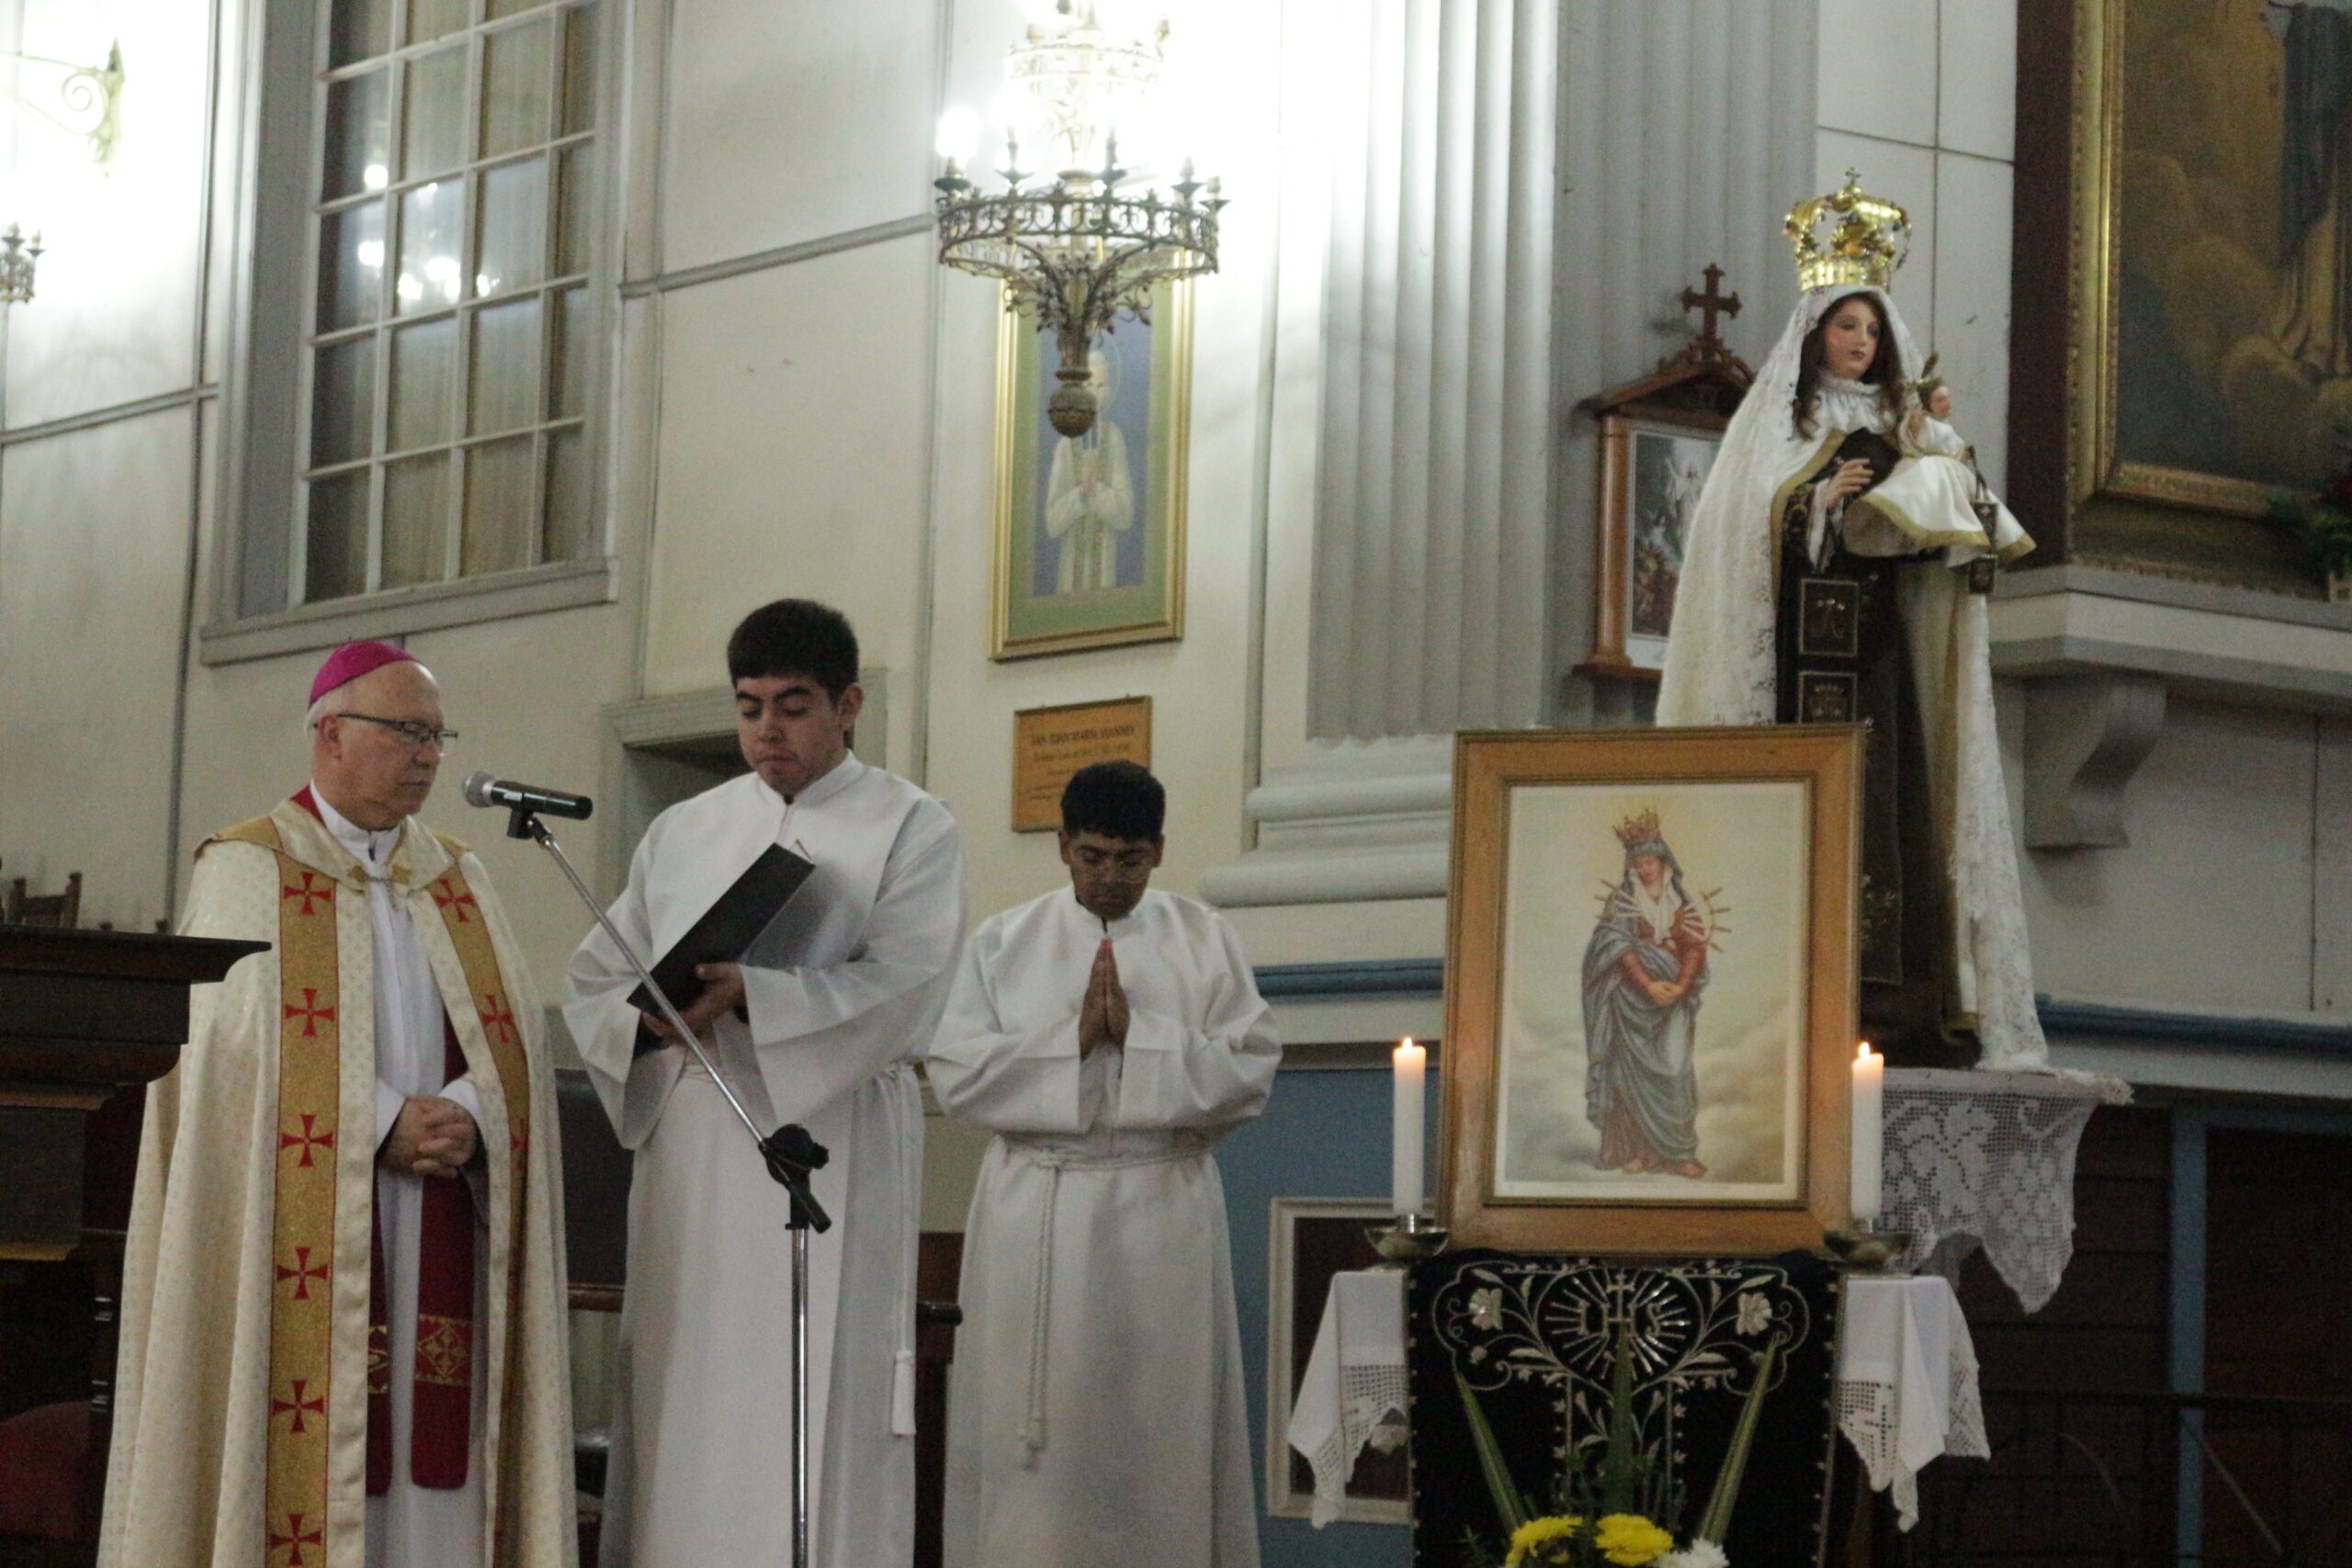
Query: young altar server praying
1110	1036
822	1030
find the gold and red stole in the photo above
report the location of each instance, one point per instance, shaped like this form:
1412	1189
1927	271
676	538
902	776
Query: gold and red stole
310	1064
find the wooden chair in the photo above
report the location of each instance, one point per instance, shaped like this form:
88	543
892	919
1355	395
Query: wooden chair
19	908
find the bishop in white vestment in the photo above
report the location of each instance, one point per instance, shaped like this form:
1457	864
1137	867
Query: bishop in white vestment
1110	1036
700	1473
342	1326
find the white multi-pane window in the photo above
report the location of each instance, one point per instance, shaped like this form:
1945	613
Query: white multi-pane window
448	346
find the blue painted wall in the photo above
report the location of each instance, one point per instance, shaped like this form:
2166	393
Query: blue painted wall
1324	1134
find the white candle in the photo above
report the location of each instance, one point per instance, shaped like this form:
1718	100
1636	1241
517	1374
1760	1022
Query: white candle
1870	1133
1404	1176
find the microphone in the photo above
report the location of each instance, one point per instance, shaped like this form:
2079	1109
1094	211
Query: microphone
482	789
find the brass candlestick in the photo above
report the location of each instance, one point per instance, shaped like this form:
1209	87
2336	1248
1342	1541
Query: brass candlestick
1411	1238
1869	1251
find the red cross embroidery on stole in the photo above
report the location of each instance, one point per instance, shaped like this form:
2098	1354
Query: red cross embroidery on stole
302	1273
496	1019
295	1540
309	1139
313	888
446	895
310	1013
300	1407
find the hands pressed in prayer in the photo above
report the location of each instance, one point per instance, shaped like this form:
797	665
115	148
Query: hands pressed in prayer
432	1137
1103	1016
1666	993
725	983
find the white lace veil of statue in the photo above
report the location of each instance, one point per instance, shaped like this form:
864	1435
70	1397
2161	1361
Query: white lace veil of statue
1719	659
1720	669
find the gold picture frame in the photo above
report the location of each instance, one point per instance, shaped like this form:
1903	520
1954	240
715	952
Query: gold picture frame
1562	1133
2177	410
1126	584
1645	500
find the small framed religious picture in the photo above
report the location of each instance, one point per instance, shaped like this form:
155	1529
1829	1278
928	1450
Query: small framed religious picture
1651	473
1089	528
1651	994
1312	1239
1050	744
1658	438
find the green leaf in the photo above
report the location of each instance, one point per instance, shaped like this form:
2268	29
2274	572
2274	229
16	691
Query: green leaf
1716	1519
1513	1508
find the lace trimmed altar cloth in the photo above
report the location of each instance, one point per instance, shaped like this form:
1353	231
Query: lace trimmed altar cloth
1987	1159
1353	1391
1907	1381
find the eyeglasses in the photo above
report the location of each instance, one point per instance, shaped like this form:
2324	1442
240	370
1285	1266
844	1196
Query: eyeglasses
418	734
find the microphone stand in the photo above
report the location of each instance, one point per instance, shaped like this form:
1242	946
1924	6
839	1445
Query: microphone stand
790	1153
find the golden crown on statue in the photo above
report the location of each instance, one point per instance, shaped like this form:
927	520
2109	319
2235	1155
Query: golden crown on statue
1849	238
1641	829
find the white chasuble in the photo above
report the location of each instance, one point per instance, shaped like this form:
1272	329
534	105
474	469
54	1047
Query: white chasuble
1097	1414
701	1426
240	1430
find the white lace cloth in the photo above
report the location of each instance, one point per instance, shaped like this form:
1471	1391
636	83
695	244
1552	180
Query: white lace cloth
1907	1382
1987	1159
1353	1391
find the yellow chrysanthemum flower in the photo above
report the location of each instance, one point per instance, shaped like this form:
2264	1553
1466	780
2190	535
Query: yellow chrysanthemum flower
1630	1540
1528	1538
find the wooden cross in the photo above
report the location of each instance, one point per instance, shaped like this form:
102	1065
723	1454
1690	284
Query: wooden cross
1713	303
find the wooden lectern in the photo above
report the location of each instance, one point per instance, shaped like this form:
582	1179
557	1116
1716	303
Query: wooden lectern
84	1015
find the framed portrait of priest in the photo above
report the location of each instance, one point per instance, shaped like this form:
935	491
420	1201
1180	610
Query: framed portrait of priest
1090	529
1651	991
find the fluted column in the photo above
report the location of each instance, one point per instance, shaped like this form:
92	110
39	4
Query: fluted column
1520	189
1430	543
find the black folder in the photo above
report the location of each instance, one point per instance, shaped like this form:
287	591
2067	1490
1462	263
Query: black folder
727	928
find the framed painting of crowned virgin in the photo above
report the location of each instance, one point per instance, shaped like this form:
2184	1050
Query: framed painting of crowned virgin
1090	529
1650	996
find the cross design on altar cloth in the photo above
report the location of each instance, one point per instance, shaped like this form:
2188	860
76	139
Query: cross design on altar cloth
309	1139
302	1273
295	1540
308	893
299	1407
310	1013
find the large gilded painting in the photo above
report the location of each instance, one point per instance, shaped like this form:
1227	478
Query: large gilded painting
2214	184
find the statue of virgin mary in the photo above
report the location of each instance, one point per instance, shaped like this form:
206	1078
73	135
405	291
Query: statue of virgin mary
1836	570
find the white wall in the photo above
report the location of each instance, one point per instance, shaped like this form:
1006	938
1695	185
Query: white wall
1921	96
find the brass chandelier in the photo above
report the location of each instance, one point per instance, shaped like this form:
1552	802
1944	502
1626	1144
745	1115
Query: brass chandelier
1077	251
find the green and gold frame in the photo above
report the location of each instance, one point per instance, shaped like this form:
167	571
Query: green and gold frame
1090	532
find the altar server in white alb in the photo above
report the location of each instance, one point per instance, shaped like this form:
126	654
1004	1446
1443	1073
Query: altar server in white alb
1110	1036
828	1038
343	1296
